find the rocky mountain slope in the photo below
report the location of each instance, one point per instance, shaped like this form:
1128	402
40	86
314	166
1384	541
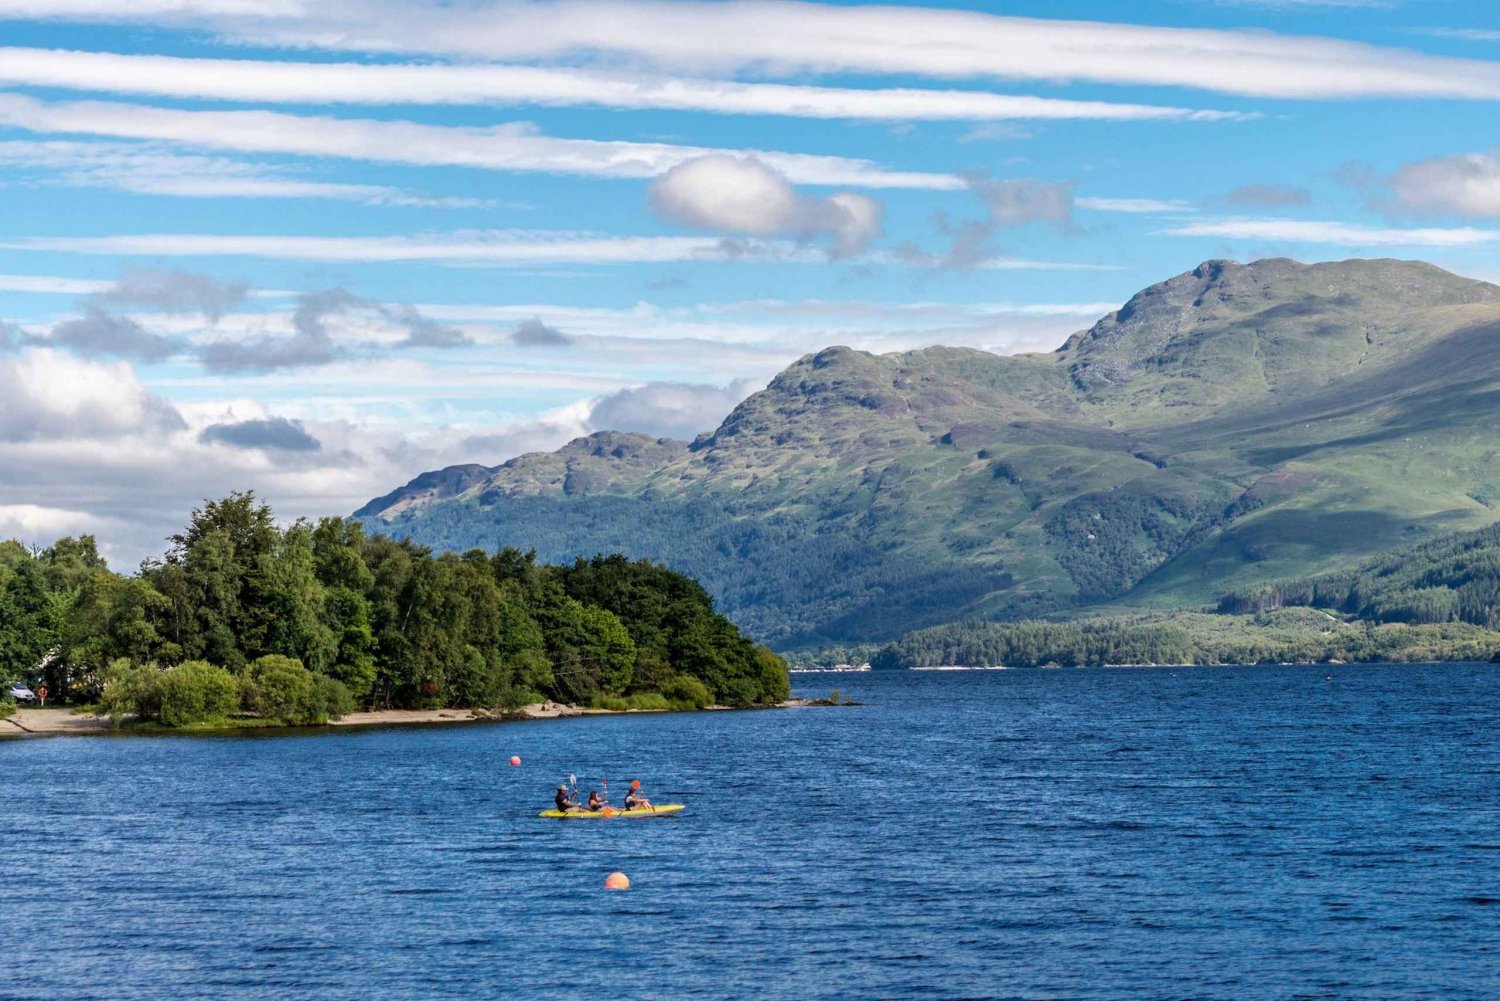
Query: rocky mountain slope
1234	424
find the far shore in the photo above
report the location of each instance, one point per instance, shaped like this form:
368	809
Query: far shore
62	722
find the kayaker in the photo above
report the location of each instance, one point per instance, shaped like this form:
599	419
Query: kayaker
564	802
595	802
635	799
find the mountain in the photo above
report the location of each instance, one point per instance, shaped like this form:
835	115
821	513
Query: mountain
1232	425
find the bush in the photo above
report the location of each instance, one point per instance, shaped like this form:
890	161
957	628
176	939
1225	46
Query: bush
613	703
335	696
649	700
743	693
687	692
280	688
7	707
195	692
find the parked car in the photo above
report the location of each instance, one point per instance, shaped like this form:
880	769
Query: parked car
21	693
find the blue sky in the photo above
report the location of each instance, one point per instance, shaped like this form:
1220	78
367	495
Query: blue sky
314	247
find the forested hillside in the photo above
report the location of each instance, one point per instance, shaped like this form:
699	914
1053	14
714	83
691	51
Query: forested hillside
1234	425
1438	600
366	620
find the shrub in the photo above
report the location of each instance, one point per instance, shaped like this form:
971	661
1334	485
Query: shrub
280	688
335	696
649	700
7	706
687	692
743	692
195	692
613	703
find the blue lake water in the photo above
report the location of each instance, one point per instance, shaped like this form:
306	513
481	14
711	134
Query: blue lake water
1242	832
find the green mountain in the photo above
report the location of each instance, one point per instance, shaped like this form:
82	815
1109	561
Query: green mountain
1232	425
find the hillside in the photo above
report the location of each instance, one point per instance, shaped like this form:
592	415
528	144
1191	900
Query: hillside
1437	600
1232	425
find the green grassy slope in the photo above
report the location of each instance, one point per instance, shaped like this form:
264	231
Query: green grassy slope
1235	424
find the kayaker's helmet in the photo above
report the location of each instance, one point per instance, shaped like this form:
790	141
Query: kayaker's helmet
563	787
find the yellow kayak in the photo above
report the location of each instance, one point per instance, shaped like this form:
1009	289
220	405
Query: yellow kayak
611	813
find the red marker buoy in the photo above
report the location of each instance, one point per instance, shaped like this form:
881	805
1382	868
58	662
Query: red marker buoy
617	881
515	759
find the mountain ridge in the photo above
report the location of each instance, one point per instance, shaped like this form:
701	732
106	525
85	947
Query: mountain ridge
1230	424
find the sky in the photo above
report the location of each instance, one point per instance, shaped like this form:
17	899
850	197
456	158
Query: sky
315	247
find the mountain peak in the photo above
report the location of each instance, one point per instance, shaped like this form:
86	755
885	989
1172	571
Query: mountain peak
1281	304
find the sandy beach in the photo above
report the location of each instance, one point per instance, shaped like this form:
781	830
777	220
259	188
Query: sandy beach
33	722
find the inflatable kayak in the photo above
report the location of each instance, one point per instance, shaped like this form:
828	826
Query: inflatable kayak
612	813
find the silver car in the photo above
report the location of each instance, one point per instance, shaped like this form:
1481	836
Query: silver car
21	693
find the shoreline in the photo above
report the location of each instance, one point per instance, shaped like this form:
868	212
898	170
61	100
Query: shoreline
61	722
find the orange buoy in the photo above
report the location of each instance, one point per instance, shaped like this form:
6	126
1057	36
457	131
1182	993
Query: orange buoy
515	759
635	783
617	881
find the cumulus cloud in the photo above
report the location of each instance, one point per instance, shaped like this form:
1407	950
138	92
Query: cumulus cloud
52	395
746	196
98	332
668	409
1466	185
172	290
1268	195
11	337
275	433
1025	200
533	332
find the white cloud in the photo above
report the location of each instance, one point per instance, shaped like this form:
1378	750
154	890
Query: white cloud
494	248
149	169
52	284
1334	233
1465	185
742	195
47	394
363	83
517	146
773	36
1134	205
669	409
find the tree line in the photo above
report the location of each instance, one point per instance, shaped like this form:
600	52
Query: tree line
1299	636
369	621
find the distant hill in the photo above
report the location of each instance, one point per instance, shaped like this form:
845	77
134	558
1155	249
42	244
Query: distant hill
1232	425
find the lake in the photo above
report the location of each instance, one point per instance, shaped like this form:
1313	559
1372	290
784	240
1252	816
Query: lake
1225	832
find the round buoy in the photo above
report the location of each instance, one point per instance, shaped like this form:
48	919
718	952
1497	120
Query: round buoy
617	881
635	783
515	759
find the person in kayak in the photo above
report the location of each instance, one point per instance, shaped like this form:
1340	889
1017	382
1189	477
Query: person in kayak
635	799
595	802
564	802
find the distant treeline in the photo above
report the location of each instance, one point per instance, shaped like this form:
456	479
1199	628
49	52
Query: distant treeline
1455	578
373	621
1286	636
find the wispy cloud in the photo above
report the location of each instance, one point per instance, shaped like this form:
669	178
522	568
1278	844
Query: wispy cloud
150	169
1334	233
1139	206
511	147
282	82
496	248
774	36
